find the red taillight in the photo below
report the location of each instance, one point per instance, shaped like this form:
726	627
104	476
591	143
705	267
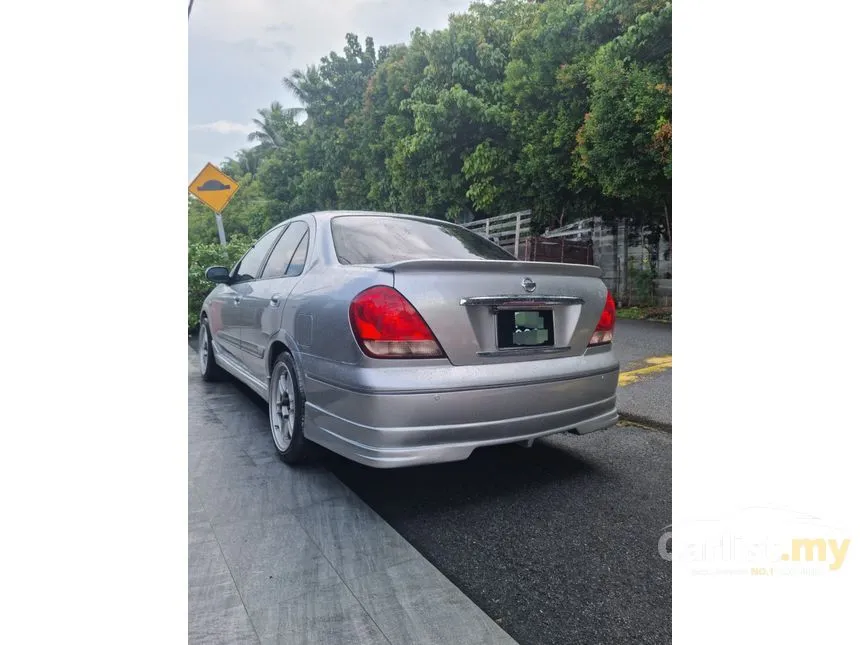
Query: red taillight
386	325
606	325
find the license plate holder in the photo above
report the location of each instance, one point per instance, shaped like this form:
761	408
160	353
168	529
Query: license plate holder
524	328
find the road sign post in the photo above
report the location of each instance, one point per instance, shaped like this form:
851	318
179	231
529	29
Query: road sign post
215	189
221	235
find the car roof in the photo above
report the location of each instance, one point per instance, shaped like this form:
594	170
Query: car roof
326	216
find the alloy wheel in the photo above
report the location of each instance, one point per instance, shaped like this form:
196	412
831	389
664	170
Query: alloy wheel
281	407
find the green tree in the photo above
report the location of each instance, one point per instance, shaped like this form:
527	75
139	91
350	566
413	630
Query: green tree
246	162
458	157
626	139
561	106
547	91
201	256
331	168
274	125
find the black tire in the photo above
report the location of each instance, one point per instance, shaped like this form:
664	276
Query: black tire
296	449
209	369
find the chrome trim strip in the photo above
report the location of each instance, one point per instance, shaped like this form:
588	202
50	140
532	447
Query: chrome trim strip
519	301
523	351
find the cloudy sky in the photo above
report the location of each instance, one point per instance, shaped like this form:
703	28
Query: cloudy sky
239	50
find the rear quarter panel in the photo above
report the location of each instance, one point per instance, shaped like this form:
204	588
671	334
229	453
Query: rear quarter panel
315	323
316	316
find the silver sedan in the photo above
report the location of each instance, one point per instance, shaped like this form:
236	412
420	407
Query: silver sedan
396	340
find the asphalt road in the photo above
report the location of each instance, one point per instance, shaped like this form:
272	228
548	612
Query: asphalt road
636	340
649	399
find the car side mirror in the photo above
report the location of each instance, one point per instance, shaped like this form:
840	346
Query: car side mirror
219	275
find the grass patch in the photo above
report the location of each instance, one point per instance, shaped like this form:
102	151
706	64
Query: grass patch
659	314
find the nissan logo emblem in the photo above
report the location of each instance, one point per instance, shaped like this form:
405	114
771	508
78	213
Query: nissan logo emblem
529	284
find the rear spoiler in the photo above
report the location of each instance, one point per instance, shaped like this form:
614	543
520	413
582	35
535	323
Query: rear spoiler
495	266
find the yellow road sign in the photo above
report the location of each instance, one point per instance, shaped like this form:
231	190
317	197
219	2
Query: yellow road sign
213	188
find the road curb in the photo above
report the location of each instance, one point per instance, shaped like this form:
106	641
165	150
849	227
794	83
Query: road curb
645	422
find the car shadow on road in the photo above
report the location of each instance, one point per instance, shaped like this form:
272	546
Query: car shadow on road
495	472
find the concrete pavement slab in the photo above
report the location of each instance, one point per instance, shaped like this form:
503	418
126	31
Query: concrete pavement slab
414	604
331	615
274	560
274	551
354	538
219	615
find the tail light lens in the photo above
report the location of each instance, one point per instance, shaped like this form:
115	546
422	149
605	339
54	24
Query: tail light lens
386	325
606	325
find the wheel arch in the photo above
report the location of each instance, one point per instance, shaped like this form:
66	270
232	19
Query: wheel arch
281	343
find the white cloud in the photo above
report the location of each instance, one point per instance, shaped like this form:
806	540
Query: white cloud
224	127
283	35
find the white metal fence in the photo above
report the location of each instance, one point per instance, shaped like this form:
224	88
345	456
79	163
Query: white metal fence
615	250
506	230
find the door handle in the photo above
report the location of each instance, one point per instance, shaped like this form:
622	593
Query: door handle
237	300
275	300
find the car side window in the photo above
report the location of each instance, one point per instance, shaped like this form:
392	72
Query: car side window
297	264
285	250
249	265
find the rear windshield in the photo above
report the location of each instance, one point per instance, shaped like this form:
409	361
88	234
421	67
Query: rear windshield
363	239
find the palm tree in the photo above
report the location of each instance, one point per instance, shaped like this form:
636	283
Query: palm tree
309	87
248	161
297	83
272	124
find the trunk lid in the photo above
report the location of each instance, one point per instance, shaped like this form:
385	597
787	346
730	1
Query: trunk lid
469	305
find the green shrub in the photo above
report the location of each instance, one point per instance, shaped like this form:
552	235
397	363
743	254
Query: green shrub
642	283
202	256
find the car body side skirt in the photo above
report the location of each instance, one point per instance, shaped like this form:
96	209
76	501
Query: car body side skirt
235	369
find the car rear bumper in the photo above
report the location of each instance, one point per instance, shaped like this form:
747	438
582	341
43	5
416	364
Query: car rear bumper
389	430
